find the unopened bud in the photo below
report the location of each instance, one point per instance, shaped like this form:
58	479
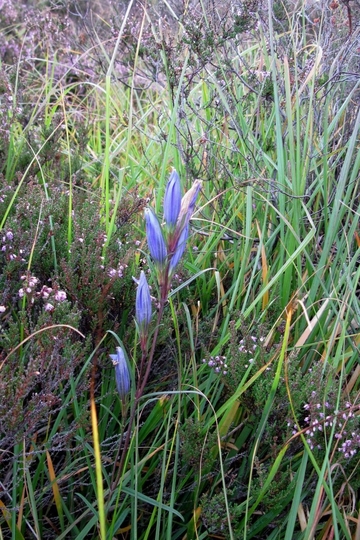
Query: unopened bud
122	374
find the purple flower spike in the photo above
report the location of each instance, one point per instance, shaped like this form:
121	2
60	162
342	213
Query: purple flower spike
172	199
155	238
122	374
143	303
180	248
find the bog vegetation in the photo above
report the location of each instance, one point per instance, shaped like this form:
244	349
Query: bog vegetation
216	395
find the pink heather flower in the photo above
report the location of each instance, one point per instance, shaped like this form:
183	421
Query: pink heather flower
2	309
45	292
33	281
48	307
60	296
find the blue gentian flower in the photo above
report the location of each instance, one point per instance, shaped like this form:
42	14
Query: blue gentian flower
122	374
178	239
143	303
172	199
188	204
155	238
180	248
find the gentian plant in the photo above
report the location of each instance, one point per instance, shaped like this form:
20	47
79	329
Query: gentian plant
166	243
122	373
143	309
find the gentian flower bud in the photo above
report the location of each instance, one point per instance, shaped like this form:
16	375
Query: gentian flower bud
172	199
180	248
188	204
143	303
122	374
155	238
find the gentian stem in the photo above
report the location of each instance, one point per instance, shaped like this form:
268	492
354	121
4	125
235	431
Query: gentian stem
142	381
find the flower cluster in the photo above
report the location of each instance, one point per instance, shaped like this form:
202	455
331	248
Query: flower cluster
217	363
167	243
351	445
29	285
48	294
117	272
248	347
7	247
321	418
